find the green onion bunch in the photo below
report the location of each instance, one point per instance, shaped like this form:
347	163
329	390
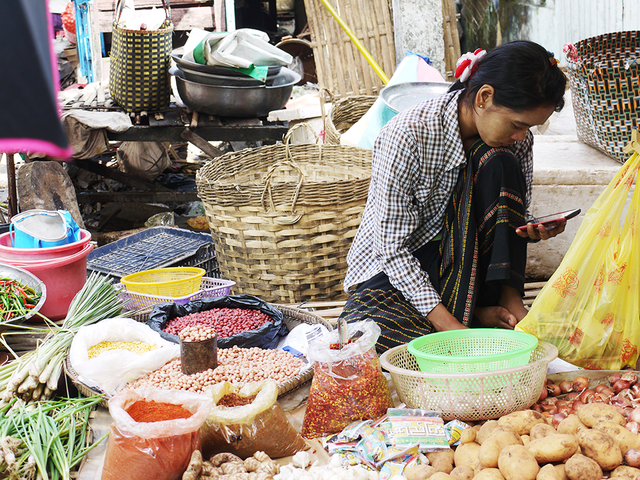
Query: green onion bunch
45	440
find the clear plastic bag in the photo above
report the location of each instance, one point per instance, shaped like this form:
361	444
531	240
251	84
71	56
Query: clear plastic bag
113	369
590	306
347	384
260	425
153	450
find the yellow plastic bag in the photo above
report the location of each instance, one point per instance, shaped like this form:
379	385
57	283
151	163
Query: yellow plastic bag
590	307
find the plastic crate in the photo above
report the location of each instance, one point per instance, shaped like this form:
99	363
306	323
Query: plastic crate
155	247
209	287
472	350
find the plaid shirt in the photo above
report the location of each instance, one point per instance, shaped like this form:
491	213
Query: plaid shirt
416	160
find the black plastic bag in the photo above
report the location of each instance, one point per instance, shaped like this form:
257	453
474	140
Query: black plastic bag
265	336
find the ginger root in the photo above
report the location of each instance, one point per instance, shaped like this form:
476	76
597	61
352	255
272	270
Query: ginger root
195	466
225	457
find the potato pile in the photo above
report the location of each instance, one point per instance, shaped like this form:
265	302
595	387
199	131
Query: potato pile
587	445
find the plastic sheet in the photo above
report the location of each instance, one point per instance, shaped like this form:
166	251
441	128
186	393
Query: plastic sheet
266	336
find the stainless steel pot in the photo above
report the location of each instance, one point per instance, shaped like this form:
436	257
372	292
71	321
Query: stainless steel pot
235	101
402	96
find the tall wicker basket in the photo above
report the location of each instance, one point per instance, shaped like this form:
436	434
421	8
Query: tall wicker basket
604	74
283	217
345	113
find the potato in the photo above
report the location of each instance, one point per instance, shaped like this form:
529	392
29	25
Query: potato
467	454
562	475
485	430
442	461
419	472
541	430
592	413
469	434
599	446
548	472
517	463
463	472
571	424
525	439
626	471
553	448
580	467
623	437
440	476
489	474
492	446
522	420
508	429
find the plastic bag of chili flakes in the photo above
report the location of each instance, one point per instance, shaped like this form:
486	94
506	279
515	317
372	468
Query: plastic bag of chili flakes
157	445
347	384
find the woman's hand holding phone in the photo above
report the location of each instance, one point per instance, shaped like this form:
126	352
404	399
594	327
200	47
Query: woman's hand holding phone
547	226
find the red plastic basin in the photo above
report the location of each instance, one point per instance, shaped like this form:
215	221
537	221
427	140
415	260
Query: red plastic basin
8	252
63	277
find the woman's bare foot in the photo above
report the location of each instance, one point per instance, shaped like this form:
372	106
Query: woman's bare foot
495	317
511	299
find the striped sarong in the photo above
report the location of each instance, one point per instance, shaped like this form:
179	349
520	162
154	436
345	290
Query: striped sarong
478	252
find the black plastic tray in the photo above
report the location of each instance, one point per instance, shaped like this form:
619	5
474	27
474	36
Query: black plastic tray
156	247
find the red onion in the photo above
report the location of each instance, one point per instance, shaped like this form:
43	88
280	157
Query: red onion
613	378
630	377
633	427
607	392
635	390
634	416
543	394
580	383
566	386
632	457
557	418
570	397
577	404
587	396
620	385
554	390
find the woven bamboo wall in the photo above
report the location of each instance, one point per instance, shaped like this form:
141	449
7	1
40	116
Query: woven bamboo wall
340	66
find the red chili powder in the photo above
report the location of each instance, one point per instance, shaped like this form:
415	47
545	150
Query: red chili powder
151	411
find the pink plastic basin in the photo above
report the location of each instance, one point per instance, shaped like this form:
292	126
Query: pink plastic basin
63	277
8	252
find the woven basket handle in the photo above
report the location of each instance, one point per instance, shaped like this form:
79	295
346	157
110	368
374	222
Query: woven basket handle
267	191
120	5
324	91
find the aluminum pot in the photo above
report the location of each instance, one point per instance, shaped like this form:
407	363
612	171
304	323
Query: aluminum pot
234	101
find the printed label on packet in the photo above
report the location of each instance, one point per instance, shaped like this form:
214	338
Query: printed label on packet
418	427
454	429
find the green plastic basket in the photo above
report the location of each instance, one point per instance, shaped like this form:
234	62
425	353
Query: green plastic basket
472	350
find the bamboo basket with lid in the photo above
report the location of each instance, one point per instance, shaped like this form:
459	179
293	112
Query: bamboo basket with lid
283	217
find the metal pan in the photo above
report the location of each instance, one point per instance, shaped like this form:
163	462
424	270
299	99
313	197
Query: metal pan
217	69
402	96
26	278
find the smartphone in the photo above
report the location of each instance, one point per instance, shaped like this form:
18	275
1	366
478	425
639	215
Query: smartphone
550	221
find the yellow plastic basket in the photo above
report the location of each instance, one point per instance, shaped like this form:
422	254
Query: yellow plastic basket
168	282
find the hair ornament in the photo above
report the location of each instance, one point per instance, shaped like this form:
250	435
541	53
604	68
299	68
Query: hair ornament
467	64
571	52
552	59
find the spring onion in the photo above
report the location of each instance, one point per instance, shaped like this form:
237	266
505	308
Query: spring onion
45	440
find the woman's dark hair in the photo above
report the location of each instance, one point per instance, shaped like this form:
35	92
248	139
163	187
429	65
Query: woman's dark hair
523	74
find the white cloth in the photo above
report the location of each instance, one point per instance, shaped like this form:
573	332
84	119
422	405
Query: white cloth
112	121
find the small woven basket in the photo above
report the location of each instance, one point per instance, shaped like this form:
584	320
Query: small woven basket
139	65
283	217
469	396
345	113
604	75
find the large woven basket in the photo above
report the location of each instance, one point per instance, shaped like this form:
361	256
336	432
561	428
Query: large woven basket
604	75
345	113
292	318
283	217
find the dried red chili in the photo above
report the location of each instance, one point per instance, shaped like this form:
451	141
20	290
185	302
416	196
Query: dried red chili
152	411
235	400
345	391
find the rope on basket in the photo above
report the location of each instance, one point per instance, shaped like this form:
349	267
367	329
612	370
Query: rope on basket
290	162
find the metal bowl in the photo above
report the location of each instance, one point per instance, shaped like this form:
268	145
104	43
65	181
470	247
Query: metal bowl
233	101
272	71
211	79
26	278
403	96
